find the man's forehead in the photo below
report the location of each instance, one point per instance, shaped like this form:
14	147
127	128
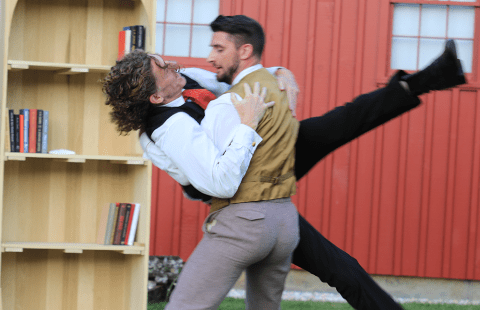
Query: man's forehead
221	39
158	58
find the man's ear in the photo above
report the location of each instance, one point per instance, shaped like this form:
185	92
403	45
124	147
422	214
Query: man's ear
156	98
246	51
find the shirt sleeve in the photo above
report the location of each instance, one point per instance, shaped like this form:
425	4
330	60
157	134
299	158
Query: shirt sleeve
210	170
208	79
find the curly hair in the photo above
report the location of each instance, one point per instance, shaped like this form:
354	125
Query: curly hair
128	87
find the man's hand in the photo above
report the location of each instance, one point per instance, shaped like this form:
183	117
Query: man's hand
252	108
286	81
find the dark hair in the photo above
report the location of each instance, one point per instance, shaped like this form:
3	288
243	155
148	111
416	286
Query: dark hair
128	87
244	29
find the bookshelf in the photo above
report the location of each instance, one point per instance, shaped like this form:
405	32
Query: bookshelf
54	53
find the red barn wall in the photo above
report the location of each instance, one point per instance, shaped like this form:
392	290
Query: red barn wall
404	198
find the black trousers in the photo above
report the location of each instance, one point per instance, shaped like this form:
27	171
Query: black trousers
318	136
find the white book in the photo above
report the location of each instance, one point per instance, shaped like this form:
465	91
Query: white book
26	122
45	133
133	228
128	41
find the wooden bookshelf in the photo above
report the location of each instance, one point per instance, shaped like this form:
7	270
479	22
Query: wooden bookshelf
54	53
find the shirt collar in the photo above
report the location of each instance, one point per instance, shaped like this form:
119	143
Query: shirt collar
246	72
175	103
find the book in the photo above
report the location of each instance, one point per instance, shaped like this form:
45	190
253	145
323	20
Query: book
26	121
110	222
133	41
11	123
17	132
121	45
128	41
20	129
129	224
102	224
45	132
140	37
32	132
125	224
119	226
7	131
133	228
39	130
115	217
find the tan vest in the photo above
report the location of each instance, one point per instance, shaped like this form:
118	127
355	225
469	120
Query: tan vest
270	174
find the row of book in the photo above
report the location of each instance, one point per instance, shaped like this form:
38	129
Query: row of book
118	223
129	39
28	131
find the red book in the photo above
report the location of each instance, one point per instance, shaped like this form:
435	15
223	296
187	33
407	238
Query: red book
32	131
121	219
121	44
125	224
129	224
21	133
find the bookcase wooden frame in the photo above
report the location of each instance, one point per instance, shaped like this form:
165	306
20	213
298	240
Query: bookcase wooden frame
54	53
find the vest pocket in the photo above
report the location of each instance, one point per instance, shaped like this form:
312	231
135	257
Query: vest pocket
250	215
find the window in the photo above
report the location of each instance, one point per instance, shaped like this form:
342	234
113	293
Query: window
419	32
183	27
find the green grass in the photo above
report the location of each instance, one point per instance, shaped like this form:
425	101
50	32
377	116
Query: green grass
235	304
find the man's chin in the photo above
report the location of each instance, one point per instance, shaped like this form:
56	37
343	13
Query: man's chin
224	78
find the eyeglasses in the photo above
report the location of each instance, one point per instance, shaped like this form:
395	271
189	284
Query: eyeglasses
166	65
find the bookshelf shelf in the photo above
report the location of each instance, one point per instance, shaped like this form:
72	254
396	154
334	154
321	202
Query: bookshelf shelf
60	68
54	53
72	247
125	160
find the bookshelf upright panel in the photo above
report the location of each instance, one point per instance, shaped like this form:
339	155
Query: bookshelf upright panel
54	53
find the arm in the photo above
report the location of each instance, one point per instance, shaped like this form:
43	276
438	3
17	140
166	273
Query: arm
208	169
183	149
208	80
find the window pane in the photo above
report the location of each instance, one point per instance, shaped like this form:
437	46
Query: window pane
159	39
430	49
406	19
404	53
179	11
461	22
205	11
465	54
177	40
434	21
201	37
160	10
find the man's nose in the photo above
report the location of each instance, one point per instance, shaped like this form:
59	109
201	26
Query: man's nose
210	57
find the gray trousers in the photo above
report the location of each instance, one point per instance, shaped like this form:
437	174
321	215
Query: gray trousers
258	237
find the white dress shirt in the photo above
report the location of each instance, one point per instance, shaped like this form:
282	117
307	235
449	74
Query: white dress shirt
213	156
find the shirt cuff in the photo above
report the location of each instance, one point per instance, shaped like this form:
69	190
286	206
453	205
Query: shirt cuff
247	137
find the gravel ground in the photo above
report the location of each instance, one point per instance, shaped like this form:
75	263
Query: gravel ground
332	297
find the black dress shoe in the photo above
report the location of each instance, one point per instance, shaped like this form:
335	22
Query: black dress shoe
444	72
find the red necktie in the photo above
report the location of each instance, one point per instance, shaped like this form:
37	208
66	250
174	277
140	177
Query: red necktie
200	96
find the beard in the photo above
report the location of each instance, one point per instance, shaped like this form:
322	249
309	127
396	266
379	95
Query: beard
227	77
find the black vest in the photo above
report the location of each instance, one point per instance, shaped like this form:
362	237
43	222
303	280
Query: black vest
158	115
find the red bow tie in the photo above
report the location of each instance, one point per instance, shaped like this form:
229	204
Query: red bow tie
200	96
